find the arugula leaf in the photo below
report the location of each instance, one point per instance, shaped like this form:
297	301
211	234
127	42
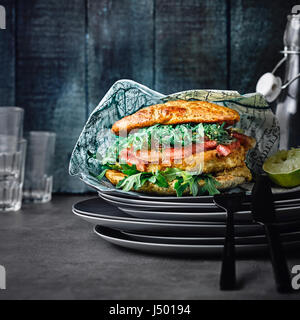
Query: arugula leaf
210	185
192	181
180	187
194	186
152	179
102	174
129	172
171	173
161	181
134	181
127	183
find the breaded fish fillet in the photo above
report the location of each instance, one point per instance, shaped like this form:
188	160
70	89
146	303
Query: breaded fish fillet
177	112
211	162
207	162
227	179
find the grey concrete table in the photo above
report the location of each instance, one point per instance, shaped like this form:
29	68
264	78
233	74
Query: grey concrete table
49	253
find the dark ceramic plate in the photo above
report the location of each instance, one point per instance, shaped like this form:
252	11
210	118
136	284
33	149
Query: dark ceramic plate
185	211
166	248
281	196
98	212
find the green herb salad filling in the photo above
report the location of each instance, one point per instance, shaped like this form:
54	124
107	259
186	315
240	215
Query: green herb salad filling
168	135
136	179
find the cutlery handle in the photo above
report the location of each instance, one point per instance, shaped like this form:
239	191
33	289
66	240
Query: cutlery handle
228	278
279	263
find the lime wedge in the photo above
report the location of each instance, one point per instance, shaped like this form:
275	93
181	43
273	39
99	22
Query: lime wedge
283	168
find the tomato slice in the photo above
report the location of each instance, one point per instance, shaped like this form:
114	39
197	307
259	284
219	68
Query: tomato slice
225	150
241	137
141	157
210	144
130	158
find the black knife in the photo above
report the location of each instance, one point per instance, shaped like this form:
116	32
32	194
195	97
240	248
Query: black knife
263	211
231	203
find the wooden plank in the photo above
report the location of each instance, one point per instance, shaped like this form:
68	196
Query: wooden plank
257	29
7	57
120	44
51	76
190	45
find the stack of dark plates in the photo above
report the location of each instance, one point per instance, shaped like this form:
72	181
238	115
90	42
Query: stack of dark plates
187	225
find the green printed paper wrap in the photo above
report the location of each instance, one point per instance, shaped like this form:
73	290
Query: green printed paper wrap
126	97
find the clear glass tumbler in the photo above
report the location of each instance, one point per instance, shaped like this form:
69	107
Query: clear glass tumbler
39	166
12	164
12	156
11	128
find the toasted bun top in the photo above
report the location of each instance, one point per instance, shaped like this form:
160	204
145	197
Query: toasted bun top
176	112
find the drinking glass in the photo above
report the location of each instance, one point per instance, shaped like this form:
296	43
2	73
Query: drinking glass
12	163
39	166
11	128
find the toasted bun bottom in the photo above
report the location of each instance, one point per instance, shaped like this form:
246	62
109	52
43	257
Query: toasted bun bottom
227	179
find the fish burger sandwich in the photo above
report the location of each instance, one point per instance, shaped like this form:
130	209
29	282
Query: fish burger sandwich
178	148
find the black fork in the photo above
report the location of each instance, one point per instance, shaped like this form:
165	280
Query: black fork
263	211
231	203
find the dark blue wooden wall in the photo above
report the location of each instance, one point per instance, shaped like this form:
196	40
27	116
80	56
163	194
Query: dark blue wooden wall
59	57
